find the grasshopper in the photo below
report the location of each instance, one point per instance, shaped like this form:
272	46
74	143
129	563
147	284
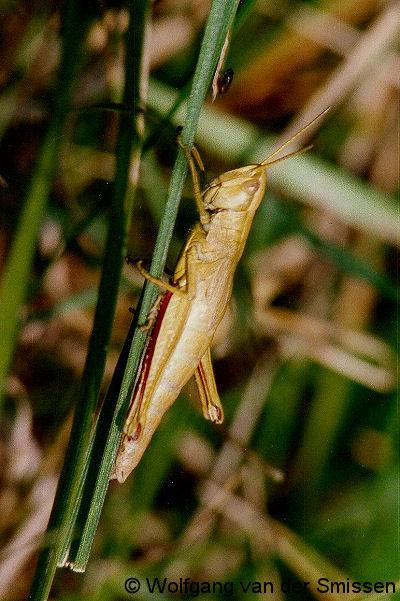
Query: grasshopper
192	305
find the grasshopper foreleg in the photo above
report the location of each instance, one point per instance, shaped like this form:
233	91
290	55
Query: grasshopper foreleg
157	281
204	216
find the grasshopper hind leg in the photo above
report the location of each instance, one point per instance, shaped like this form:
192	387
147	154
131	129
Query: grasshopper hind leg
209	398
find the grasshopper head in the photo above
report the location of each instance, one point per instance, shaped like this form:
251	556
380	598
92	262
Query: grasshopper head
243	189
238	190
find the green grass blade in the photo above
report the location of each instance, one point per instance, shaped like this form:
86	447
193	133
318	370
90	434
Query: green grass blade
15	281
68	494
25	56
220	19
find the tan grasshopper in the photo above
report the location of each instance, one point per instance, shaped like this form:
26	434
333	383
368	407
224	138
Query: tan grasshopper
193	304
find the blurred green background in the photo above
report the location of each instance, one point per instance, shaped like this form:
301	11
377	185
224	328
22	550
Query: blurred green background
302	480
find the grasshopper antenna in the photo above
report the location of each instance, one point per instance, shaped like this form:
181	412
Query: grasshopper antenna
288	156
268	161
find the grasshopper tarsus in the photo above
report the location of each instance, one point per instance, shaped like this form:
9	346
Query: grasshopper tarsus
215	414
191	154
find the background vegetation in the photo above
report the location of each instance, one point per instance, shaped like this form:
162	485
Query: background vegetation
302	481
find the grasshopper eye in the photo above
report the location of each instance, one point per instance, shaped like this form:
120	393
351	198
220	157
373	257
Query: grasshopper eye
251	186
